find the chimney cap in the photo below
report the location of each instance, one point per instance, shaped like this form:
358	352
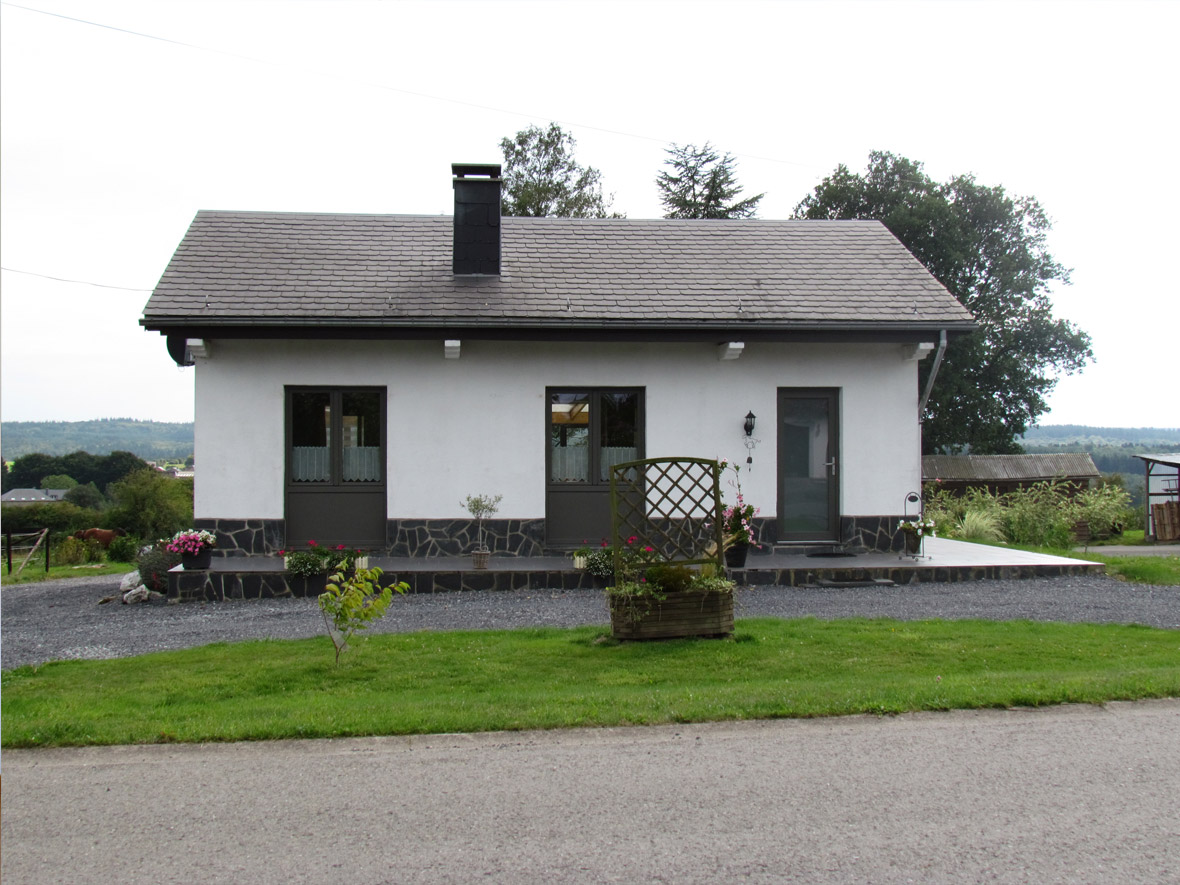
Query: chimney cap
461	170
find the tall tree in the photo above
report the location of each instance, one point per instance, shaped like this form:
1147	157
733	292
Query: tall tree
702	184
541	177
989	250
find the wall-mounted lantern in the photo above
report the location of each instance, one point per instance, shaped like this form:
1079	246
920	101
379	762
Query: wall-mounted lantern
749	425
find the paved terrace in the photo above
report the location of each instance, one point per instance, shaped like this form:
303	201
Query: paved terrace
942	560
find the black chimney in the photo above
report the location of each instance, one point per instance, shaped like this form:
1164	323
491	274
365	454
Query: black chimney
477	218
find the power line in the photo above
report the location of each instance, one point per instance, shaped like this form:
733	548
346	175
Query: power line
29	273
385	87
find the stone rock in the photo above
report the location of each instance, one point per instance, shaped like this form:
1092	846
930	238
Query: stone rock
141	594
130	581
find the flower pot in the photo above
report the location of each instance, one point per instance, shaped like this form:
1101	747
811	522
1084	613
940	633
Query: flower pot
361	562
579	562
689	613
913	542
479	558
196	561
735	555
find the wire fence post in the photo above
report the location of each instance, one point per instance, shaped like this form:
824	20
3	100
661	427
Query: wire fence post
8	549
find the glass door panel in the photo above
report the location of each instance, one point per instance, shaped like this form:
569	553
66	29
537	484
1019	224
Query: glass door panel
569	437
619	431
807	465
311	432
360	437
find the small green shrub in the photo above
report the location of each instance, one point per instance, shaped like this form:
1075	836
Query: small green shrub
600	563
69	551
670	578
154	564
979	525
1040	515
351	603
1103	508
124	549
306	563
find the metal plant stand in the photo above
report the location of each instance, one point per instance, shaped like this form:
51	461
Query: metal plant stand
912	499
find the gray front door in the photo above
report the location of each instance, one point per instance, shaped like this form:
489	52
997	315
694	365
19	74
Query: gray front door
808	464
588	430
335	467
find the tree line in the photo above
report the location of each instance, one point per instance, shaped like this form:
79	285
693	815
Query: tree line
117	491
989	249
154	440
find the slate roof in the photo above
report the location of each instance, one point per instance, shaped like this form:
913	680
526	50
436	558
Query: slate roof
1008	468
33	496
236	269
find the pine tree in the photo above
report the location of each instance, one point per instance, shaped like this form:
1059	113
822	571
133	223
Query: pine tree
702	184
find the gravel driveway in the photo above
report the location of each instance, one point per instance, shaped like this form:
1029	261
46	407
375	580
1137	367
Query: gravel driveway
63	619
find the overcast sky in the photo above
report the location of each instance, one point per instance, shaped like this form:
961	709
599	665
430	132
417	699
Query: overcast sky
122	119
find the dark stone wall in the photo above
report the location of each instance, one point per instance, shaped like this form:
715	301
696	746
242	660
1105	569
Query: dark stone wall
245	537
403	537
457	537
506	537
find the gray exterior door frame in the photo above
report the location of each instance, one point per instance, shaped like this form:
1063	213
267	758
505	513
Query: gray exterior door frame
335	509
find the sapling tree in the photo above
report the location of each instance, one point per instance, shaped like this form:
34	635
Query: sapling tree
482	506
353	602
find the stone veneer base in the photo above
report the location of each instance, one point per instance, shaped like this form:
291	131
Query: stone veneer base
428	538
218	586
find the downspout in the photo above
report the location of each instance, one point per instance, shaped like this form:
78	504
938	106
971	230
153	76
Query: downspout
933	375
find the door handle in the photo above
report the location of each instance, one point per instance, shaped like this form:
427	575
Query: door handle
831	465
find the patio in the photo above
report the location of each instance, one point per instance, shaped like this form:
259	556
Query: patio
944	561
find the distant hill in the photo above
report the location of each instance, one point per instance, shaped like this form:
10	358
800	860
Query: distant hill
150	440
1075	434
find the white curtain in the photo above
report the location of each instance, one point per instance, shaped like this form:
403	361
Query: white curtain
311	464
362	464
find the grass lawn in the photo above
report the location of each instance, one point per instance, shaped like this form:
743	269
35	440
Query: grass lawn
552	678
35	571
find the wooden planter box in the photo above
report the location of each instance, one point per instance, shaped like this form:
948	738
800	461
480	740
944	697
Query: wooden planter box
681	614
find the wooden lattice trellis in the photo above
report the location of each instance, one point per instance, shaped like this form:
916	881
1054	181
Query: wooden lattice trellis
670	504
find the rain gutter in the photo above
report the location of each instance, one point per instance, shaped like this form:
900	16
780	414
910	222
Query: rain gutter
933	375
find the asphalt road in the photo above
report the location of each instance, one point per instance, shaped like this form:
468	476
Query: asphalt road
1067	794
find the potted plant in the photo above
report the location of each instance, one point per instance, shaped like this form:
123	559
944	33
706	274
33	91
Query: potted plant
582	555
481	507
195	548
914	530
668	601
737	521
600	562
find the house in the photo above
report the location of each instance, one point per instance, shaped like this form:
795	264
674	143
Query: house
357	376
1007	473
33	496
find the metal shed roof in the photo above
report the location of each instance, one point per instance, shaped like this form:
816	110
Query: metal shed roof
1007	468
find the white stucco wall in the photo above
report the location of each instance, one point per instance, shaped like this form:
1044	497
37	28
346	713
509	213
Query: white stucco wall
476	425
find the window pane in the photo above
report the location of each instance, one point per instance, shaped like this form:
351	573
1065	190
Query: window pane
620	430
360	437
569	437
311	424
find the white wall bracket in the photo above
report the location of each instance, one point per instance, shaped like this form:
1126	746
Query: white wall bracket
197	348
451	348
730	350
916	352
